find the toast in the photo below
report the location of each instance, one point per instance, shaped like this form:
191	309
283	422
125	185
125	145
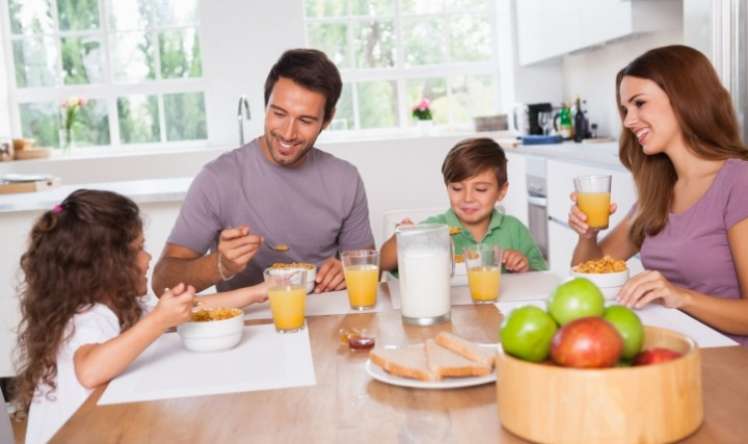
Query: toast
407	362
481	355
445	363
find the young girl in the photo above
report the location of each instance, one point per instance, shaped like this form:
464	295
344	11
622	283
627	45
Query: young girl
82	322
475	175
681	142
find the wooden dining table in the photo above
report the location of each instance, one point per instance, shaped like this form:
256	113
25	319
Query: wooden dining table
347	405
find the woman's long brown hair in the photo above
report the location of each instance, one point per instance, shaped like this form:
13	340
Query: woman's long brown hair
706	118
79	254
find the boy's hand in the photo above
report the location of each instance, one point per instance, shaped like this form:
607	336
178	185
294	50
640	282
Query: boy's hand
515	261
175	305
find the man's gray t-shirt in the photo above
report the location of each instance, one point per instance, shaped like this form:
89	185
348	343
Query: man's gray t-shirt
318	208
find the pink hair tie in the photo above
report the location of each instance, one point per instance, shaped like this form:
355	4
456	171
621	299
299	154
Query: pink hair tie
57	209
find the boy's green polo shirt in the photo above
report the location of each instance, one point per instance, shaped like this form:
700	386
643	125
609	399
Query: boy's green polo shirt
504	230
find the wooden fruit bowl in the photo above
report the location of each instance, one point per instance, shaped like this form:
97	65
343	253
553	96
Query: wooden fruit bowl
648	404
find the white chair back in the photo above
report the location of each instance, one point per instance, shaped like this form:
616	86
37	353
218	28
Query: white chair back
6	431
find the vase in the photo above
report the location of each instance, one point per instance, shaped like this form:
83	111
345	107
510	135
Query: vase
66	139
425	127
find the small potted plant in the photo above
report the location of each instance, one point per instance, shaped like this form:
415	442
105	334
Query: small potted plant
422	111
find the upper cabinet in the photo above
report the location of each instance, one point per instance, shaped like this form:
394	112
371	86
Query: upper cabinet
552	28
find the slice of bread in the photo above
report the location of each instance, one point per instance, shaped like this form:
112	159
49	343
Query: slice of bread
481	355
445	363
407	362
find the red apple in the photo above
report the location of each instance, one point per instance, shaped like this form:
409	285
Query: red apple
590	342
655	356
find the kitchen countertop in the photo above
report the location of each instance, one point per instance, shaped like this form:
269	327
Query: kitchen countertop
593	154
141	191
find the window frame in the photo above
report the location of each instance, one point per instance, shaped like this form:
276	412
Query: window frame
109	90
400	73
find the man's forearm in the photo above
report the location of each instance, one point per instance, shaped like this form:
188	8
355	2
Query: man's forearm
201	273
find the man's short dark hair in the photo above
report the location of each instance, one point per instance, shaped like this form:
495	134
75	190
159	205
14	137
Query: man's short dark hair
311	69
471	157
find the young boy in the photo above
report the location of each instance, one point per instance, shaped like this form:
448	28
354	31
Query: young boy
475	175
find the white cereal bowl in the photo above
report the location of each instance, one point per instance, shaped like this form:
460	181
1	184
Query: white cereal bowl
605	280
208	336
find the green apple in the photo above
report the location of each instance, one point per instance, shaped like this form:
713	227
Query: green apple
629	326
527	333
574	299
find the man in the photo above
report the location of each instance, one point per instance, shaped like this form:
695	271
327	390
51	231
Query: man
276	191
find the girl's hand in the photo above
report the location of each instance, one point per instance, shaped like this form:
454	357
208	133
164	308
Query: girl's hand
175	305
648	286
258	293
515	261
578	220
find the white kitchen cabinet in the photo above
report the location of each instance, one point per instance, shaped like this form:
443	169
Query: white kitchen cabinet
551	28
515	201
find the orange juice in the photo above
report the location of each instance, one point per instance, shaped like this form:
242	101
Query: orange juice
287	307
484	283
597	208
361	281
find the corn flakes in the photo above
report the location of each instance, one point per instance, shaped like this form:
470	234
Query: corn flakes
605	265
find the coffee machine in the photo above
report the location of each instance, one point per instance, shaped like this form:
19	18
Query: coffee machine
533	111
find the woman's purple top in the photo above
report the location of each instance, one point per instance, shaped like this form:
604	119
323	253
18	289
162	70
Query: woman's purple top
692	250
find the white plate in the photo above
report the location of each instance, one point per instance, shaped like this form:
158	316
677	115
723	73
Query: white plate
380	374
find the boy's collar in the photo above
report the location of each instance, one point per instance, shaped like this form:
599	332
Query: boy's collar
497	218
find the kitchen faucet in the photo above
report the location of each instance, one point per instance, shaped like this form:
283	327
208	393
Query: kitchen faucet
242	114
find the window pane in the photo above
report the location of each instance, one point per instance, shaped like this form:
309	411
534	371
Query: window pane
91	125
31	16
133	56
421	6
374	44
377	104
35	60
373	7
185	116
469	38
41	122
473	96
325	8
129	15
81	60
423	41
344	119
473	6
435	90
138	119
78	15
331	39
180	54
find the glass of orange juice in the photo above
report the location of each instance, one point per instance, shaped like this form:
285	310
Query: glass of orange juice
287	295
361	269
484	272
593	198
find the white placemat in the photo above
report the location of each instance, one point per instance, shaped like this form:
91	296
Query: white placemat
514	287
658	316
263	360
320	304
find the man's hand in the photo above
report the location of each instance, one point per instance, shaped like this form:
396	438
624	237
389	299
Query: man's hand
236	247
330	276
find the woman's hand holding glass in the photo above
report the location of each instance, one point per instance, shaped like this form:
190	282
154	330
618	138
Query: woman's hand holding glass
578	220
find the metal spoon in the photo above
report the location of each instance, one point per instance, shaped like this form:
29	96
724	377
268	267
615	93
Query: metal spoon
282	248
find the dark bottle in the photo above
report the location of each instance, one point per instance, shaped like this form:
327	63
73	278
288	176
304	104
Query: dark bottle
580	123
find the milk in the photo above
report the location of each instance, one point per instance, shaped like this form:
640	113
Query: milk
424	282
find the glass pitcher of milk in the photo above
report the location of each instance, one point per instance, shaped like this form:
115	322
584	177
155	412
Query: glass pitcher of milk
425	265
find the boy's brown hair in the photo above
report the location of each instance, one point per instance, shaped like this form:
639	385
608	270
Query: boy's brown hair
471	157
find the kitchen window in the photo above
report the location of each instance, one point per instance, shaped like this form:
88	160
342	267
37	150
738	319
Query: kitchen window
137	63
393	53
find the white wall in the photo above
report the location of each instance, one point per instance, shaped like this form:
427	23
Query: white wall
591	74
4	103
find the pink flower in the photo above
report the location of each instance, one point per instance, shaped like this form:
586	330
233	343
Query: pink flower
424	105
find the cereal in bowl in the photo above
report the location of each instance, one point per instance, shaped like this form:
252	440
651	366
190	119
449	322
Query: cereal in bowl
605	265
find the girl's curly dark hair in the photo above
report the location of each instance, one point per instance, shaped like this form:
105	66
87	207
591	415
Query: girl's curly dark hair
80	253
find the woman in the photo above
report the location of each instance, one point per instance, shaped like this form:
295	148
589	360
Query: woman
681	143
